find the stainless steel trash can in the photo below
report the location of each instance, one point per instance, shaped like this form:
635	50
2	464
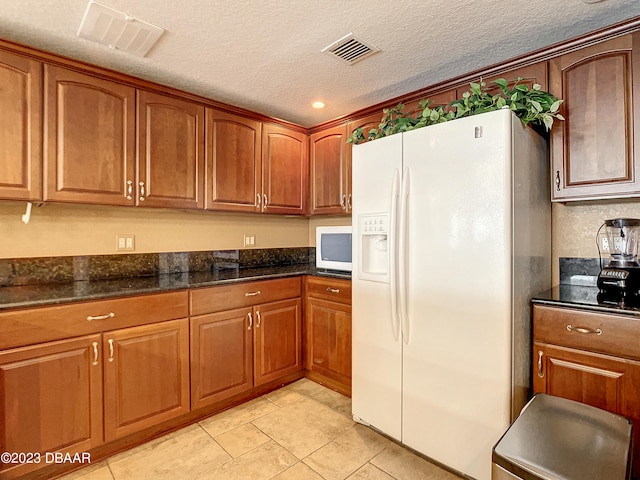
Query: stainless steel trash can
559	439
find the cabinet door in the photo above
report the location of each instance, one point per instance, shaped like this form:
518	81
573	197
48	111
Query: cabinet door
328	340
592	150
329	171
50	399
285	170
146	373
221	356
90	138
277	344
20	127
170	152
599	380
603	381
234	147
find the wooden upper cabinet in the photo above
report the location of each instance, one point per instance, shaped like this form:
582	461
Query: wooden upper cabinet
531	74
285	170
20	127
234	156
90	138
170	152
329	175
50	399
593	149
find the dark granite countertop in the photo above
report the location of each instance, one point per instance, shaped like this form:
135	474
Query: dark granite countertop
58	293
588	298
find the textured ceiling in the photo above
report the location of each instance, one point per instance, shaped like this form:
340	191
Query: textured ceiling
265	55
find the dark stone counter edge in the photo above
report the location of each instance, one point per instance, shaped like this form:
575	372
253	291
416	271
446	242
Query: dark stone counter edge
63	293
586	298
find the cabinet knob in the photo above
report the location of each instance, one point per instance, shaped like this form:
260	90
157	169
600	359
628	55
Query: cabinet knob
258	318
343	202
349	205
111	353
557	180
129	189
141	191
333	290
252	294
265	200
259	199
250	321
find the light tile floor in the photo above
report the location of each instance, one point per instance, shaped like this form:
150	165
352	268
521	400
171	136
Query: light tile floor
300	432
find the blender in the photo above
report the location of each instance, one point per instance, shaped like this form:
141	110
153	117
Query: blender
622	274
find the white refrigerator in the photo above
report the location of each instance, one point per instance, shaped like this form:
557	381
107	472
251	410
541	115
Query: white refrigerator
451	238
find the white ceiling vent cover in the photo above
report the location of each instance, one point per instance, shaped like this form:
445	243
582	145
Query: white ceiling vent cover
350	49
118	30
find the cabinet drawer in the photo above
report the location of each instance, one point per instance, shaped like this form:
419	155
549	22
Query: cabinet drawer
333	289
36	325
227	297
620	334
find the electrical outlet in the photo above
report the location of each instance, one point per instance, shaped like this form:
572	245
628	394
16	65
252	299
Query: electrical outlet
618	244
125	243
249	239
605	244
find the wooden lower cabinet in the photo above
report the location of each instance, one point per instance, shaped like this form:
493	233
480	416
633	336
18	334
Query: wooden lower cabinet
589	357
146	376
244	336
277	341
50	400
221	356
603	381
328	332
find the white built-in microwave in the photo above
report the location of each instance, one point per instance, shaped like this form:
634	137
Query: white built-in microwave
333	248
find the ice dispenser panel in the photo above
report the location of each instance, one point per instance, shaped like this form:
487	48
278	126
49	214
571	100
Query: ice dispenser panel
374	247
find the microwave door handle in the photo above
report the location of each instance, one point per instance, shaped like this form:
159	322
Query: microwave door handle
393	255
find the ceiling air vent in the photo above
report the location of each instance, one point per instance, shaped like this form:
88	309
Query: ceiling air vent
118	30
350	49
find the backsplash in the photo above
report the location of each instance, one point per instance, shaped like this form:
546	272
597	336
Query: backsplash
31	271
575	270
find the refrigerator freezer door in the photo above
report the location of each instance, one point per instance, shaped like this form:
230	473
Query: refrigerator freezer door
377	348
456	377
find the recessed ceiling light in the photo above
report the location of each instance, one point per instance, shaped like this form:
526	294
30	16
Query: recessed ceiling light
317	104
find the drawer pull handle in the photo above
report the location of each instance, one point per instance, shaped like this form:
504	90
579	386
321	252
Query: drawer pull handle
95	353
111	349
259	319
252	294
250	321
540	353
585	330
91	318
333	290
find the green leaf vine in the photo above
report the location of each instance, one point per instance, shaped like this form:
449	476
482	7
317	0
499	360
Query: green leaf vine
533	106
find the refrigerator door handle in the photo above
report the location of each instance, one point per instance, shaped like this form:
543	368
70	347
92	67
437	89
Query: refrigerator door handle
403	254
393	254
